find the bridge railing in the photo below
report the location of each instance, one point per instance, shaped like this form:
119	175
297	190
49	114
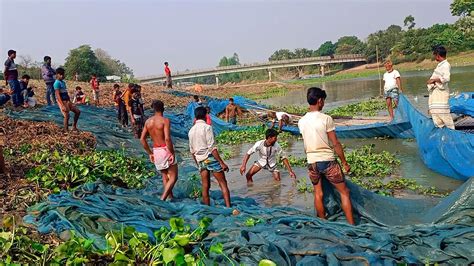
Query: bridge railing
269	64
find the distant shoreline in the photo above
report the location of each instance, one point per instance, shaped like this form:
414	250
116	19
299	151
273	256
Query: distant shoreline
367	70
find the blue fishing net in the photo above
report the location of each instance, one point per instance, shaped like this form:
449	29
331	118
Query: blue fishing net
389	230
462	103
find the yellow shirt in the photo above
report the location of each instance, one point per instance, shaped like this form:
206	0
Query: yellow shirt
126	98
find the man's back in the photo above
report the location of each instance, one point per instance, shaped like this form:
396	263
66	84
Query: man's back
314	127
155	126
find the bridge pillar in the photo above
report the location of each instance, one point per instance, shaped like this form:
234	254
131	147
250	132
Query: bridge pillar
269	75
217	81
322	69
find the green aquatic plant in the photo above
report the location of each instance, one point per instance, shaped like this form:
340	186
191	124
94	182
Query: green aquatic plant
58	171
368	170
365	162
250	222
365	108
175	245
291	109
269	93
295	161
250	135
303	186
17	245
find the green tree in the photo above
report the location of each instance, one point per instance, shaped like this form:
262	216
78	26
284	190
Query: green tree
409	22
83	61
462	8
327	48
302	53
230	61
113	66
282	54
384	40
350	45
26	65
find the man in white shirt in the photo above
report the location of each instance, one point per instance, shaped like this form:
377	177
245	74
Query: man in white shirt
206	156
392	86
439	91
268	153
281	117
320	143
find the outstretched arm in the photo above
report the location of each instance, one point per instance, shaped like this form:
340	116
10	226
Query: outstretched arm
244	163
288	167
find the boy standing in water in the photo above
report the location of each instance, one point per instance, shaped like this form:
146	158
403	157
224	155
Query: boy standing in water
163	156
320	143
392	87
64	102
206	156
268	152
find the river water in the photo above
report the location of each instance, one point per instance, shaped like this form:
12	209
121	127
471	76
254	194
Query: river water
284	193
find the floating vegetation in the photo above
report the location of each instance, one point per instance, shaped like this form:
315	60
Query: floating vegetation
251	135
368	170
365	108
58	171
269	93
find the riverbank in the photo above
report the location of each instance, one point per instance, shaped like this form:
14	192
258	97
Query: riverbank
368	70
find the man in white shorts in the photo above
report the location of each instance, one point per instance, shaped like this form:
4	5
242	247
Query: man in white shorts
268	151
163	156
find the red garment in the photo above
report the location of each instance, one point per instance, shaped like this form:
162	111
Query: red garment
94	83
158	146
208	120
167	71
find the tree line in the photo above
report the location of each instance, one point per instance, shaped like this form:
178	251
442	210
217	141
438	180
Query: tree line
82	60
400	44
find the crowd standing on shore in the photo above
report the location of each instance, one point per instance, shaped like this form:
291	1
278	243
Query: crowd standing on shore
318	129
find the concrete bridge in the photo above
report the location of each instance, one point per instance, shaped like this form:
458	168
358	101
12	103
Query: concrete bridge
321	61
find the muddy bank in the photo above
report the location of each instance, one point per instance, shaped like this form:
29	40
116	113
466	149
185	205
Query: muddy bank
22	139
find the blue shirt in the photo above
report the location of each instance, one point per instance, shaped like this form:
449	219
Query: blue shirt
61	86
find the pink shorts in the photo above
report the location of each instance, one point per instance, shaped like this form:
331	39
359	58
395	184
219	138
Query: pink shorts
163	158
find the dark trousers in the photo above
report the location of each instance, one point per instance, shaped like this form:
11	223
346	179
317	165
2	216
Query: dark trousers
50	94
122	115
17	98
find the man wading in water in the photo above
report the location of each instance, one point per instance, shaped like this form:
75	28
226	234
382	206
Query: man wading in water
320	143
163	156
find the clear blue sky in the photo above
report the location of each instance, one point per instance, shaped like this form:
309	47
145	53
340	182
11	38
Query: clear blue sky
196	34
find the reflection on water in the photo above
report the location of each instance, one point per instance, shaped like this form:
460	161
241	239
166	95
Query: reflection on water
270	193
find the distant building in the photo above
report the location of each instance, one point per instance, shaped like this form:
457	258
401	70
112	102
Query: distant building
113	78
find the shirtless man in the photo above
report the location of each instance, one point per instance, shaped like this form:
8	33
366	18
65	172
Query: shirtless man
158	127
231	112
